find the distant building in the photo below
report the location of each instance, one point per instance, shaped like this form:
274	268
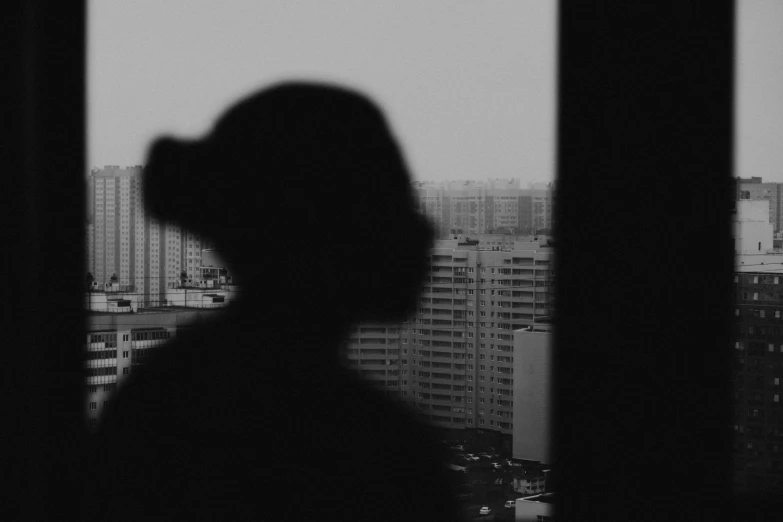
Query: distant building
755	189
454	360
123	239
118	342
753	232
531	481
473	207
758	349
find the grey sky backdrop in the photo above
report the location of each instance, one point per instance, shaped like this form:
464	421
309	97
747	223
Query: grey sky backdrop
468	86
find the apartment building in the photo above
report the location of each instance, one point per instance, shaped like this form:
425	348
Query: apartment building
124	240
453	361
758	348
116	343
478	207
755	189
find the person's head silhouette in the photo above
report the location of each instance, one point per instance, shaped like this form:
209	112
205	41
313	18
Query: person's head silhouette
305	190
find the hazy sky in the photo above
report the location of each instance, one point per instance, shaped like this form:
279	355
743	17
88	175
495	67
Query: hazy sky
468	86
759	111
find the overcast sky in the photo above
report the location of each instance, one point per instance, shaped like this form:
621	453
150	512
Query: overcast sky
759	111
468	86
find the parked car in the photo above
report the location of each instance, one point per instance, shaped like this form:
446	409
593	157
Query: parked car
485	511
496	466
510	504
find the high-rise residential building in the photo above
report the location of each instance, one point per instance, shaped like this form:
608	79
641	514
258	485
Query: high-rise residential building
542	205
453	361
117	343
758	348
479	207
124	240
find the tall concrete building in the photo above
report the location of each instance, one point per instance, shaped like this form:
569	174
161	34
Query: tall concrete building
116	343
758	349
479	207
124	240
453	361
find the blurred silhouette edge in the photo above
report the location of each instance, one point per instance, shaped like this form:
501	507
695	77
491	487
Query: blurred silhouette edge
304	190
312	167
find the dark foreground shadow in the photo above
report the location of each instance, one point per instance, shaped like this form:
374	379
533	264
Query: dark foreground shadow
305	190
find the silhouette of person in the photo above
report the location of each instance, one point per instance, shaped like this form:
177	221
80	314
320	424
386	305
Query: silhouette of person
253	416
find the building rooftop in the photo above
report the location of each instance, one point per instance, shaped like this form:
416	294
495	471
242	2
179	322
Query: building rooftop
165	309
545	498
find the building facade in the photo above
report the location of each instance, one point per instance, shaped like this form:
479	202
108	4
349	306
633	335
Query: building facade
453	361
124	240
116	343
755	189
532	395
480	207
538	508
758	349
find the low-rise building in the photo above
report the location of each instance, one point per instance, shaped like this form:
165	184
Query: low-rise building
530	480
538	508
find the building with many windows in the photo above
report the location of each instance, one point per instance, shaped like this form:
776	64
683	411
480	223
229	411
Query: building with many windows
758	348
124	240
123	330
116	343
453	361
488	206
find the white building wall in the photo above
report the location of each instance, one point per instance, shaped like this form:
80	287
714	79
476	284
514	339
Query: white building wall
533	374
528	510
753	232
